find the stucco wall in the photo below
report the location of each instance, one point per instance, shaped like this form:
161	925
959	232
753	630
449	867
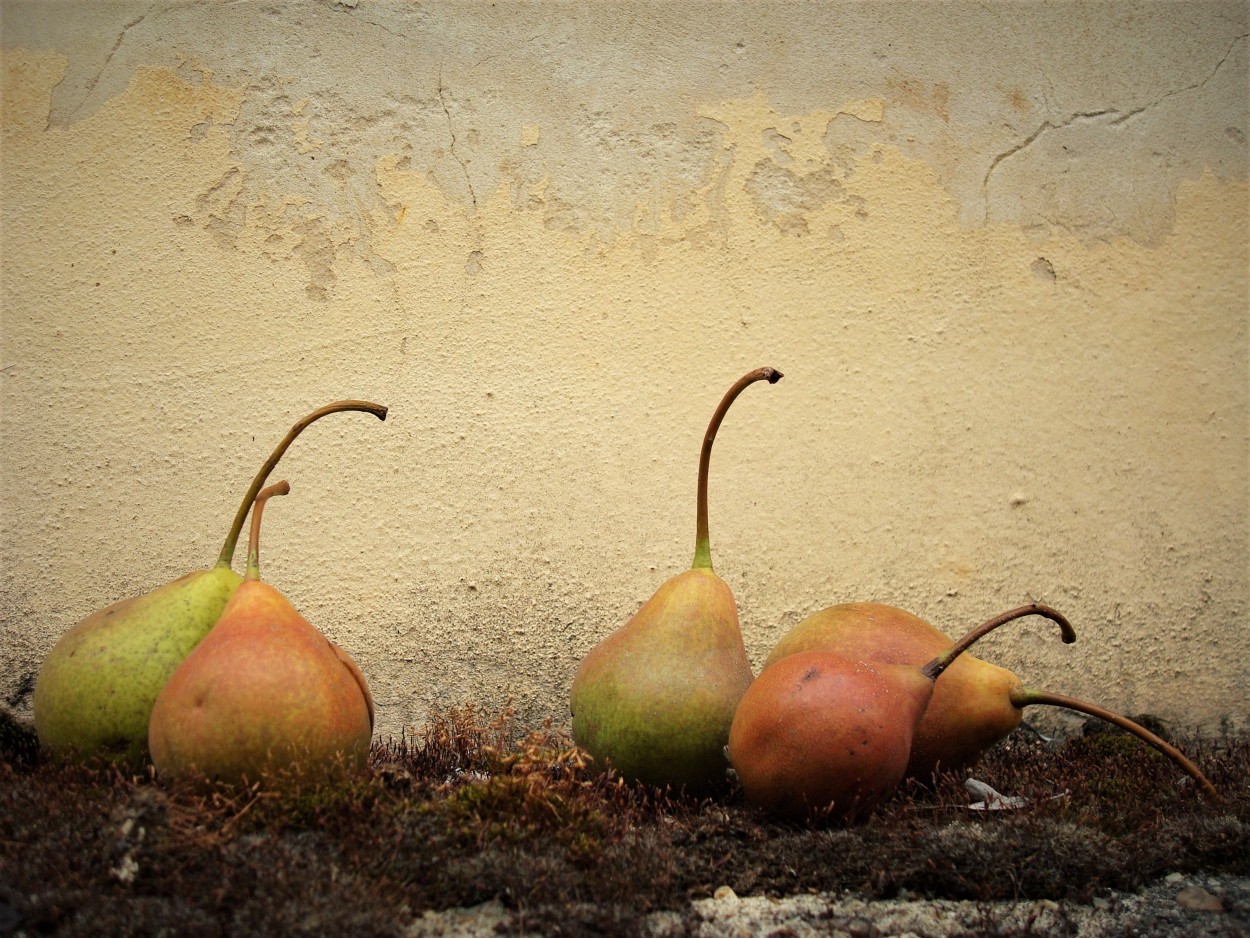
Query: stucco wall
999	251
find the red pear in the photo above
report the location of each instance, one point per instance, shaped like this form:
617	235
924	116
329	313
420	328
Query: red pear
825	736
975	705
818	734
265	694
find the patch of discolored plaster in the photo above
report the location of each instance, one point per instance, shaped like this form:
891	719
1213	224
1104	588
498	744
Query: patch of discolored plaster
921	96
785	166
424	79
219	211
800	176
638	173
159	97
1043	270
317	250
786	198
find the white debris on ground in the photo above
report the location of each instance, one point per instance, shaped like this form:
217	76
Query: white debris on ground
1177	906
990	800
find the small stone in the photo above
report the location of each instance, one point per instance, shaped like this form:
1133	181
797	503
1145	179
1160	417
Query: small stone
1101	904
1173	878
126	871
725	893
1198	899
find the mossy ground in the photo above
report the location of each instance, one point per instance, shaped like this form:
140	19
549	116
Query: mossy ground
471	810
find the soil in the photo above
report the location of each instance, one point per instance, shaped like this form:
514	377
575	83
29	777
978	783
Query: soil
473	827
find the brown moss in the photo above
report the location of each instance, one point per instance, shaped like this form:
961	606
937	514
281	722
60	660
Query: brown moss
471	809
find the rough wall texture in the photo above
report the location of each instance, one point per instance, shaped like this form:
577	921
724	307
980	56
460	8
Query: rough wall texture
1000	252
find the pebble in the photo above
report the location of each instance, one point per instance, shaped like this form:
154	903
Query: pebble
1197	898
479	921
725	894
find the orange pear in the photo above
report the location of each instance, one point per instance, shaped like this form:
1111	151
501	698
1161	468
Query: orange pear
264	695
975	705
818	735
655	698
95	689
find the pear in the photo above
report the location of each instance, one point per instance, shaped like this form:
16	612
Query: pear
824	736
95	689
264	695
655	698
975	705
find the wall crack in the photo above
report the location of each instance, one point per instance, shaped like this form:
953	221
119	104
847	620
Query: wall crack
1032	138
1118	118
95	80
451	130
1194	87
387	30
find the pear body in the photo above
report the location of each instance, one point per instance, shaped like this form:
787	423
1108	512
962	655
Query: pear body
656	697
971	708
95	690
822	736
265	692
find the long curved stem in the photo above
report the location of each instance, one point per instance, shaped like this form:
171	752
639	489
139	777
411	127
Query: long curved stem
1025	697
939	664
702	544
253	540
232	538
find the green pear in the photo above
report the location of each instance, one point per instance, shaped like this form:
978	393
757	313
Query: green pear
264	696
822	735
95	689
975	705
655	698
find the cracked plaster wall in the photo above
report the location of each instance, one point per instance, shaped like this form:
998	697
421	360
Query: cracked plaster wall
999	250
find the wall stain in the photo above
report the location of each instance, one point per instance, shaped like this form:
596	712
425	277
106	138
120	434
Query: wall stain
785	198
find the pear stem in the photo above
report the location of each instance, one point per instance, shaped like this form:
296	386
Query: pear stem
1024	697
253	541
236	528
934	668
702	544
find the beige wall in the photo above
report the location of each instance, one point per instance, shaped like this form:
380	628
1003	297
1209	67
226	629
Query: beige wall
999	250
